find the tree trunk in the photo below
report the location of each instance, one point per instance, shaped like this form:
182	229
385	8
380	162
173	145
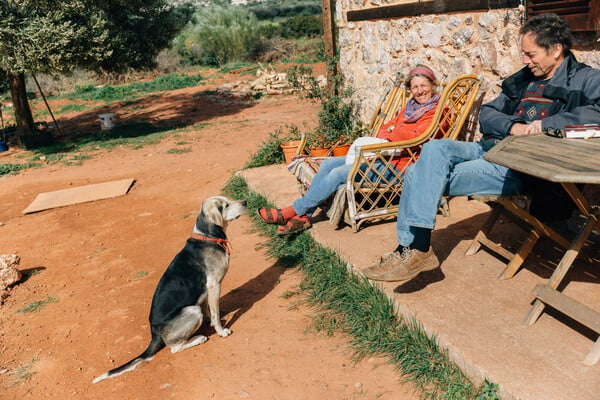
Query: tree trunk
23	116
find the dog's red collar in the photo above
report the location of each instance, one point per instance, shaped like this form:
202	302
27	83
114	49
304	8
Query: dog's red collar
224	243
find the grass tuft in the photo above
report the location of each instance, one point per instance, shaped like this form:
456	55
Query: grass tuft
36	305
113	93
179	150
67	108
349	303
24	372
269	151
247	67
139	275
6	169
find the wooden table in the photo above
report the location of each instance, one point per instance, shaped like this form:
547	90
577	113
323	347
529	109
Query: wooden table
568	162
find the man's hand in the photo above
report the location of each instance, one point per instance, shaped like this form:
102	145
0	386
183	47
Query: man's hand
534	127
526	129
518	129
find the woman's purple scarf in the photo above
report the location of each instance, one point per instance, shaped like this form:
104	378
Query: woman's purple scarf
414	110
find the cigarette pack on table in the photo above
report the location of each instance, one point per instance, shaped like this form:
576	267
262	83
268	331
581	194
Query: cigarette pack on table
584	131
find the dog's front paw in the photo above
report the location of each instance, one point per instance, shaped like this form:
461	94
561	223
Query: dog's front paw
224	332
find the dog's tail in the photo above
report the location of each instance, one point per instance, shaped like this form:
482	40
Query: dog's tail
155	345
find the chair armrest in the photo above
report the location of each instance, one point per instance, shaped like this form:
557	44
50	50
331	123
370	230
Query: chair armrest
391	149
385	153
301	149
402	144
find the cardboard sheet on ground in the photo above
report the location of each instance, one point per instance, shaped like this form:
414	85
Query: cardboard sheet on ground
81	194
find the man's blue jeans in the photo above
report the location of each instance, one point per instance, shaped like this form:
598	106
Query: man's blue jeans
448	168
332	173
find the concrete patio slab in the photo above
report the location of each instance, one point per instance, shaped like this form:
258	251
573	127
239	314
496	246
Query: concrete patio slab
476	316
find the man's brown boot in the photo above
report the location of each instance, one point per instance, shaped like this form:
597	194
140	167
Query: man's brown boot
401	267
384	263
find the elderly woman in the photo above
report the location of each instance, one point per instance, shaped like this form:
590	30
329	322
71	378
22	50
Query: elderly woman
410	122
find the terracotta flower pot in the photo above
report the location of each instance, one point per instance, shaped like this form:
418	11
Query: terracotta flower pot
289	150
341	150
319	152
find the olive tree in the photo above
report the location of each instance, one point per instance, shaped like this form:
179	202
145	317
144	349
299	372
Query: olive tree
60	35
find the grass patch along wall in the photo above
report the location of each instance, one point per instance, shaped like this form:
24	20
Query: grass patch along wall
362	311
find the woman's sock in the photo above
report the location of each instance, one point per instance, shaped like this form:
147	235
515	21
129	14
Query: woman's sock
288	212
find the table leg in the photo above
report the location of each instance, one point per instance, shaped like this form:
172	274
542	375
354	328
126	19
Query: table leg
519	257
483	232
577	197
535	223
564	265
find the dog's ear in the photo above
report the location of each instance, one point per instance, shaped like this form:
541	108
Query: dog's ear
213	211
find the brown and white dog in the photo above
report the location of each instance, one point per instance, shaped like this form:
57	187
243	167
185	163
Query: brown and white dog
193	278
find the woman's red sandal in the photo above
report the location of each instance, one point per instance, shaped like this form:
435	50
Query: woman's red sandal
272	216
294	225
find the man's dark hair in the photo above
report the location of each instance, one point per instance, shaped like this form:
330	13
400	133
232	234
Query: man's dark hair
549	30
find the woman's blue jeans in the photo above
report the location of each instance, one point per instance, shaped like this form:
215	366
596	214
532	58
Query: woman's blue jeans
332	173
448	167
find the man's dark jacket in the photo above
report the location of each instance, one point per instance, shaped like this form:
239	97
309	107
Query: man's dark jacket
575	93
574	90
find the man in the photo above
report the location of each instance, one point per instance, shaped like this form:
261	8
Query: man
551	91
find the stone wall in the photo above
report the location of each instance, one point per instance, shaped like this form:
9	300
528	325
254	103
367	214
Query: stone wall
485	43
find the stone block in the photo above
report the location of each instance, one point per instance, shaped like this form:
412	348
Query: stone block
9	273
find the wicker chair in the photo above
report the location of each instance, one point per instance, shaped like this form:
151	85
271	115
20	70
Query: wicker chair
368	194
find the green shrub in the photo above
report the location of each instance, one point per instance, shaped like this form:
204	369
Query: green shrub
295	27
301	25
219	35
269	30
277	9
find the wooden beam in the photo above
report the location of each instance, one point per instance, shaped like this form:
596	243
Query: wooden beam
330	43
568	306
427	7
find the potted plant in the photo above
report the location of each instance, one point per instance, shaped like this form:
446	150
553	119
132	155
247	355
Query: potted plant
317	145
336	128
336	125
290	144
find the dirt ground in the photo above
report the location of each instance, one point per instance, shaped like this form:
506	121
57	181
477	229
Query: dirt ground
98	263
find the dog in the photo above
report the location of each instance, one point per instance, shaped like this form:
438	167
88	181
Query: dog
191	281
